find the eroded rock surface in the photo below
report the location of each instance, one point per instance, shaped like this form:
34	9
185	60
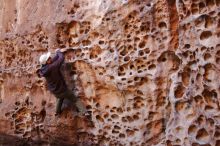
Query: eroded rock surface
147	71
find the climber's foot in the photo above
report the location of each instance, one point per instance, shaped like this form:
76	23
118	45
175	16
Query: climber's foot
84	114
58	114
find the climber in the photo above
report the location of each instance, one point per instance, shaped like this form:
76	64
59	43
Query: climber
50	69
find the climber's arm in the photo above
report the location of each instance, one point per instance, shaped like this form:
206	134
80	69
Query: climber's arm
57	62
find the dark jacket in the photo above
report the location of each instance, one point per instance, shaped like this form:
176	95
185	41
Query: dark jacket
55	81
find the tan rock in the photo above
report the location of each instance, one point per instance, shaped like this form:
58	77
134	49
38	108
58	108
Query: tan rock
146	70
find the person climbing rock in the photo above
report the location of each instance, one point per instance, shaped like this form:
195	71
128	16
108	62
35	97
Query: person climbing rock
50	69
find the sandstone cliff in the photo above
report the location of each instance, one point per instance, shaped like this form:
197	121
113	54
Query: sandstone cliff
147	71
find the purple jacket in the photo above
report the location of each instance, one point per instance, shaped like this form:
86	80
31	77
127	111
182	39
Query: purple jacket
55	81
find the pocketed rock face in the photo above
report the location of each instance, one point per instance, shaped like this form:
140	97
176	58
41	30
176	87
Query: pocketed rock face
146	70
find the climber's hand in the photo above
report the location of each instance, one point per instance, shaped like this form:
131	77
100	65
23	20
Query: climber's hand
57	50
63	50
38	73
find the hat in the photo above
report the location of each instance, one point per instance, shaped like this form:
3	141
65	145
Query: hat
43	58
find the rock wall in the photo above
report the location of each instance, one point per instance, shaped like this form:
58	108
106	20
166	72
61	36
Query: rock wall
146	70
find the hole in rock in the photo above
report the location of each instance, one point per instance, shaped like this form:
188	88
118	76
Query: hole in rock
205	35
195	144
162	25
208	21
186	76
217	2
199	99
136	79
127	58
210	122
99	118
120	110
201	120
106	115
192	129
210	96
210	3
217	60
135	117
207	56
218	52
202	135
217	134
141	53
180	105
130	119
121	135
179	91
136	39
142	44
124	119
217	141
201	5
130	132
101	42
86	42
208	108
130	81
114	116
123	52
187	46
161	100
151	115
152	66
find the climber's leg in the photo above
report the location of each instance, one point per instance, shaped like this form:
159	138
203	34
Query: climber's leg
59	105
69	95
76	101
81	108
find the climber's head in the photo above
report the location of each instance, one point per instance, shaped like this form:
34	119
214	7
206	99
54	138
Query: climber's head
49	60
45	58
